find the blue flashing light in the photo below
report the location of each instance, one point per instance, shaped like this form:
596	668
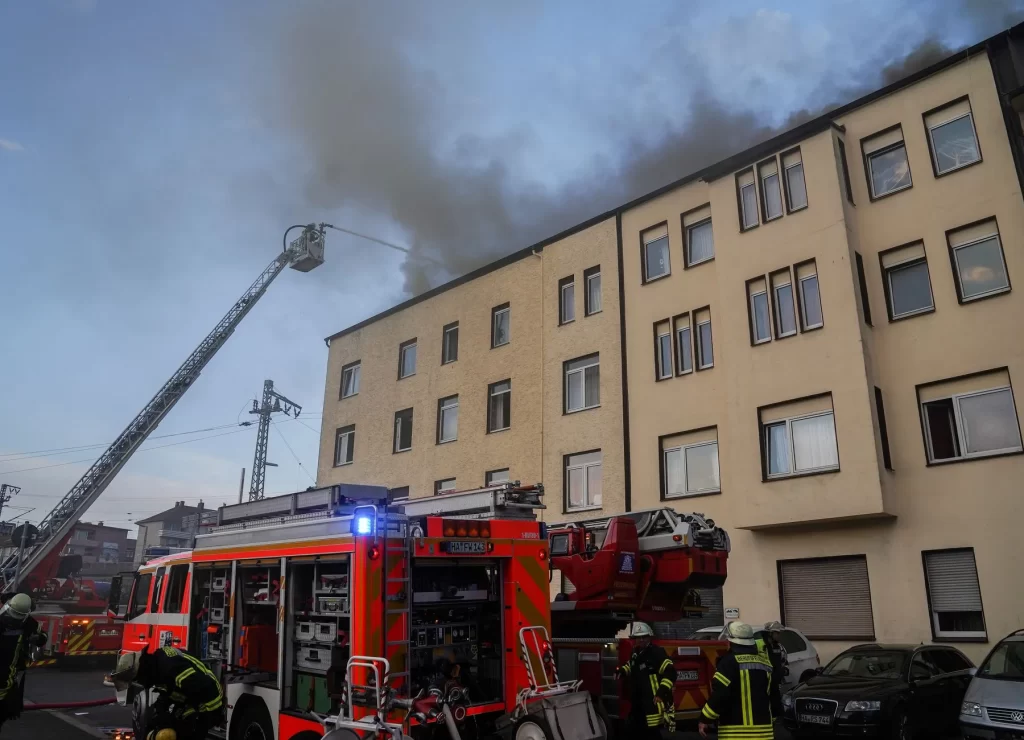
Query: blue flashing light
364	525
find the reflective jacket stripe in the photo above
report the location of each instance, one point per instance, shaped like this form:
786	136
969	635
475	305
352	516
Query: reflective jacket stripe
722	679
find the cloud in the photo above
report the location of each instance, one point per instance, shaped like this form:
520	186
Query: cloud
11	146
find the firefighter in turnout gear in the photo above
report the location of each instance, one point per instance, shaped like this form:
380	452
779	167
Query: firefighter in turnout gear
190	695
652	677
744	690
19	633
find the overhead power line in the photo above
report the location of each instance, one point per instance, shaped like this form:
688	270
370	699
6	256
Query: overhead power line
285	440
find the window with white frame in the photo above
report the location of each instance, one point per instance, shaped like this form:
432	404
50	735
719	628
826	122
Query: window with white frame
705	346
699	236
760	318
407	359
908	287
583	383
684	345
583	480
690	464
972	417
446	485
655	253
350	379
501	325
796	188
345	445
810	296
499	406
448	419
951	137
592	290
888	166
450	343
663	351
494	477
980	269
771	190
403	431
566	300
784	304
954	594
747	194
799	438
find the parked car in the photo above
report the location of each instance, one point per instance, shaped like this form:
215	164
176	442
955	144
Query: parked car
801	655
892	691
994	704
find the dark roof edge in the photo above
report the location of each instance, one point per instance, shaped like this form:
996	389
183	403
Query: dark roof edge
711	172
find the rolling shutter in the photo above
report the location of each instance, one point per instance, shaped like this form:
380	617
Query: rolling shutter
829	598
953	581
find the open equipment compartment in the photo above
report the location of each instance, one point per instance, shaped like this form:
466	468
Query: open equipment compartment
257	593
457	627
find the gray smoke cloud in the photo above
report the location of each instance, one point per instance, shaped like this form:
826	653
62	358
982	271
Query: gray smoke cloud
354	87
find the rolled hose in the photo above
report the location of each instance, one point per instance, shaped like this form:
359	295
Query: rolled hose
72	704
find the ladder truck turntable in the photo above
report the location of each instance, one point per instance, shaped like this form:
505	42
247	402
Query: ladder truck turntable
77	622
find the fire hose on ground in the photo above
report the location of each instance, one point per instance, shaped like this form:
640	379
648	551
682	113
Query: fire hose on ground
72	704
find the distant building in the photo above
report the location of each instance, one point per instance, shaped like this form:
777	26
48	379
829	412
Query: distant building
98	543
168	529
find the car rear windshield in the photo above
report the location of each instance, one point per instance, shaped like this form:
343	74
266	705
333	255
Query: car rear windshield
1006	662
864	664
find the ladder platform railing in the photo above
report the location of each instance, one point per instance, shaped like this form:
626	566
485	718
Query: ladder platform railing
509	500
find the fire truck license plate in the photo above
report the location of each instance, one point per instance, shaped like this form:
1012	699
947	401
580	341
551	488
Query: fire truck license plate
465	548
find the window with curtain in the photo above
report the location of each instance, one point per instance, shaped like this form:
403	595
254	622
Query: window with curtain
582	383
448	419
700	243
499	407
971	424
583	480
801	445
664	354
691	469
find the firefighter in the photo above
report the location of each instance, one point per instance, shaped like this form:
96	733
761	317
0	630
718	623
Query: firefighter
651	676
19	633
190	695
743	690
776	651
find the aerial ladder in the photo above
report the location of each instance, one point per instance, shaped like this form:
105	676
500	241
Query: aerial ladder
37	559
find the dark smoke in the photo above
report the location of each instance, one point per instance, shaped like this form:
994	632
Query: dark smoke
374	125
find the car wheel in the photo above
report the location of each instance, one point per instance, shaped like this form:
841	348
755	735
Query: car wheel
253	724
532	728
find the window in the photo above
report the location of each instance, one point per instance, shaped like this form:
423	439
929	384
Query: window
783	304
865	304
951	137
450	343
445	485
705	348
583	480
684	345
344	445
501	325
403	430
174	599
494	477
827	598
809	296
407	359
699	236
350	379
908	288
886	162
448	419
566	300
970	417
799	437
140	595
662	351
954	595
157	587
747	195
771	192
979	268
582	383
796	189
592	290
499	406
948	660
690	464
883	429
846	171
401	493
760	320
655	253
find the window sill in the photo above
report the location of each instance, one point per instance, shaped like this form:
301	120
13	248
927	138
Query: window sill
806	329
410	375
950	171
685	372
691	265
787	335
675	496
973	458
342	465
873	198
579	411
985	296
745	229
951	640
449	362
581	509
759	342
566	323
353	395
773	218
499	346
593	313
446	441
706	367
499	431
398	452
648	281
791	476
791	211
911	315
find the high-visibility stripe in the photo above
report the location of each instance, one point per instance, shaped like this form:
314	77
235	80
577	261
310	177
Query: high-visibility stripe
708	712
665	663
721	678
180	678
748	714
667	683
759	732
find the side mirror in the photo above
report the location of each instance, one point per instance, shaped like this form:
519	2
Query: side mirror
114	597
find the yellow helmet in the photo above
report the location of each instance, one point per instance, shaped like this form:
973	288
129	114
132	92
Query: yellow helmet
165	734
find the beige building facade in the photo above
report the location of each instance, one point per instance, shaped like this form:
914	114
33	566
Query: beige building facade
814	342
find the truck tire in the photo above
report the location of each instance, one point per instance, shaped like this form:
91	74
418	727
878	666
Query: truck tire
604	722
532	728
252	722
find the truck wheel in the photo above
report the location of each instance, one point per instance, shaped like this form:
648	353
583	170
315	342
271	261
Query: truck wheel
532	728
604	722
252	723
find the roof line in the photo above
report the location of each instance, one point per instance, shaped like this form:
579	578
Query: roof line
711	172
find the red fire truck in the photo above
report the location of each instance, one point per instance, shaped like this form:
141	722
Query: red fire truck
331	610
641	566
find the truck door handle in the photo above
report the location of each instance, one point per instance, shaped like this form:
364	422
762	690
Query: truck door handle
176	641
141	636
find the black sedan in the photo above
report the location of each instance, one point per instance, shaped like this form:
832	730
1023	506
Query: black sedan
888	691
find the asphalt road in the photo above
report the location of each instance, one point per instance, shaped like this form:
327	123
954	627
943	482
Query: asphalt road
51	686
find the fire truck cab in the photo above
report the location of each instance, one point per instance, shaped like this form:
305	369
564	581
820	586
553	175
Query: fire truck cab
335	612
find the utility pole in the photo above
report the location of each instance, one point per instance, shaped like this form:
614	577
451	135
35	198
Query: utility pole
241	486
272	402
6	492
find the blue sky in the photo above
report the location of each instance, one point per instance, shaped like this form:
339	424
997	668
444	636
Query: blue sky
151	154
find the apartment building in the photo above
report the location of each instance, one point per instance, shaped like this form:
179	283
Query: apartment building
814	342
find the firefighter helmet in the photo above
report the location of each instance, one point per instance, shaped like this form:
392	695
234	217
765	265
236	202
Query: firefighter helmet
17	608
739	633
124	674
773	627
642	629
165	733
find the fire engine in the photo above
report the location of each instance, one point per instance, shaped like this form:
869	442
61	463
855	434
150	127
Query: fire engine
334	611
640	566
